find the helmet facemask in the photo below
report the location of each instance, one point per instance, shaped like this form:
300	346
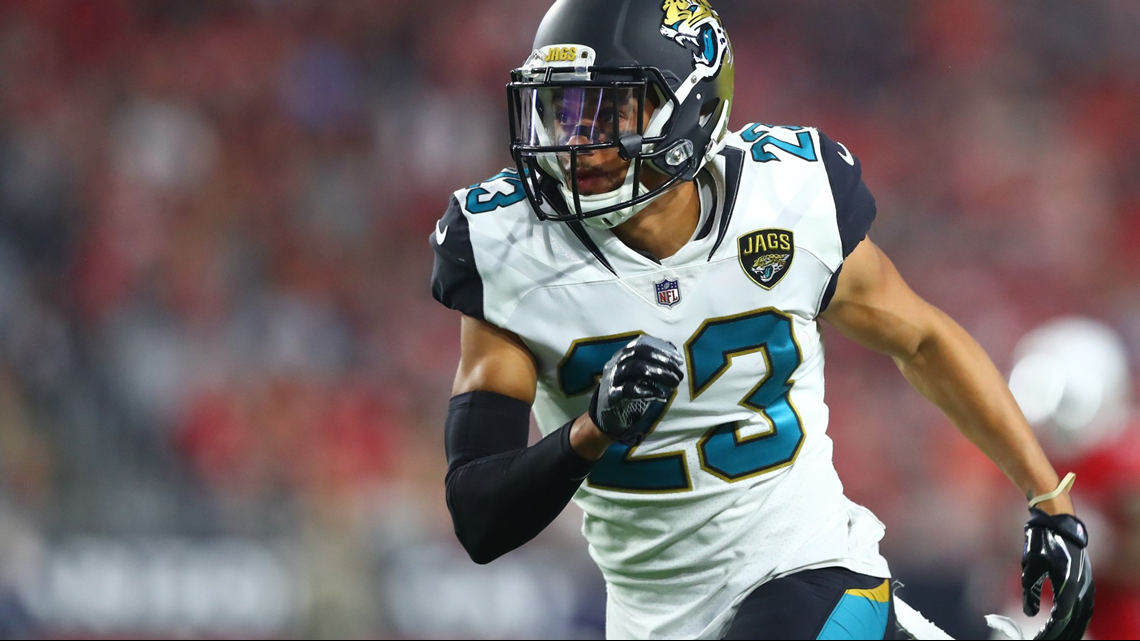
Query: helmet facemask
583	144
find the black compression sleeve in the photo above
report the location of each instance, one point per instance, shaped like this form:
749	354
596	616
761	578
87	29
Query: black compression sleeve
500	492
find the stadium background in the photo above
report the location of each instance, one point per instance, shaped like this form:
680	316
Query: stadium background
223	379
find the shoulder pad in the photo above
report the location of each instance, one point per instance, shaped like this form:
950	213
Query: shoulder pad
504	189
854	204
490	249
455	279
768	143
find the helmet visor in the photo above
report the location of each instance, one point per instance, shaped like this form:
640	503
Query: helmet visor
575	132
591	133
573	116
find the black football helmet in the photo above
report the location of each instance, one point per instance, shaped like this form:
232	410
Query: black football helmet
614	88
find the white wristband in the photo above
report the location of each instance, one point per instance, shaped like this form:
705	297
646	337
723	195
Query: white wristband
1065	485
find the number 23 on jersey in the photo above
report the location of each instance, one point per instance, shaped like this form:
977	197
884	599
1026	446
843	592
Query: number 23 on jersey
723	451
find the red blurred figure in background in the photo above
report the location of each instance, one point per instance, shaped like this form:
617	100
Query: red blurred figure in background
1073	382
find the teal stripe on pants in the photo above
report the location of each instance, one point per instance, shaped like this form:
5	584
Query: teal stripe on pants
856	617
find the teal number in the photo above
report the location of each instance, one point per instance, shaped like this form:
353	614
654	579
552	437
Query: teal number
804	147
723	452
619	468
475	198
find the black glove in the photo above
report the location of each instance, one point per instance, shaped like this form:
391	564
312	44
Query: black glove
1055	549
635	388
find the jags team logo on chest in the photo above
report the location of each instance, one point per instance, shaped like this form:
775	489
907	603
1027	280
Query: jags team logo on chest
668	292
766	255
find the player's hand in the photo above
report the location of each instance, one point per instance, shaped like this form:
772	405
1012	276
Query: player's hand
635	387
1055	549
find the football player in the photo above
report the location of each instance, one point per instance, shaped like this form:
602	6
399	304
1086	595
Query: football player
649	285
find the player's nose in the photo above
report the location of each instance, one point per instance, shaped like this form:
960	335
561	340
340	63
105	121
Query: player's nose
585	133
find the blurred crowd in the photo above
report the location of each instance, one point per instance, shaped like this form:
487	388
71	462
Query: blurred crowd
218	348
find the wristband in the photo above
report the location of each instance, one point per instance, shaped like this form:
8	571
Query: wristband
1065	485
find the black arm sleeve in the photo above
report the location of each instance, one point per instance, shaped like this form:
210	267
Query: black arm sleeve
500	492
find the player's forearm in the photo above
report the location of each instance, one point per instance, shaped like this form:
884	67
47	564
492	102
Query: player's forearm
500	492
500	502
954	372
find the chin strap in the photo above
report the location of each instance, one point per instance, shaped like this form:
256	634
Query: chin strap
1065	485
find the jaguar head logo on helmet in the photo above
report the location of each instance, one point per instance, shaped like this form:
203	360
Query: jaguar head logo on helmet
695	26
599	135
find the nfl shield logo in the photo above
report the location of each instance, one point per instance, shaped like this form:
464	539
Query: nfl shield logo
668	293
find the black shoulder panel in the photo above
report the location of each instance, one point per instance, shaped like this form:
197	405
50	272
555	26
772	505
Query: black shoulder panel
733	169
455	281
854	204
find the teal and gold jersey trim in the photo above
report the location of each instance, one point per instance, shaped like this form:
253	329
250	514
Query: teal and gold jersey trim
860	614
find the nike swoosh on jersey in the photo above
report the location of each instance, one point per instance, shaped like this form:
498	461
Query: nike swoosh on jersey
845	155
440	234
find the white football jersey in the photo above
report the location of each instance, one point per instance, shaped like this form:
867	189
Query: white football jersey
735	483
